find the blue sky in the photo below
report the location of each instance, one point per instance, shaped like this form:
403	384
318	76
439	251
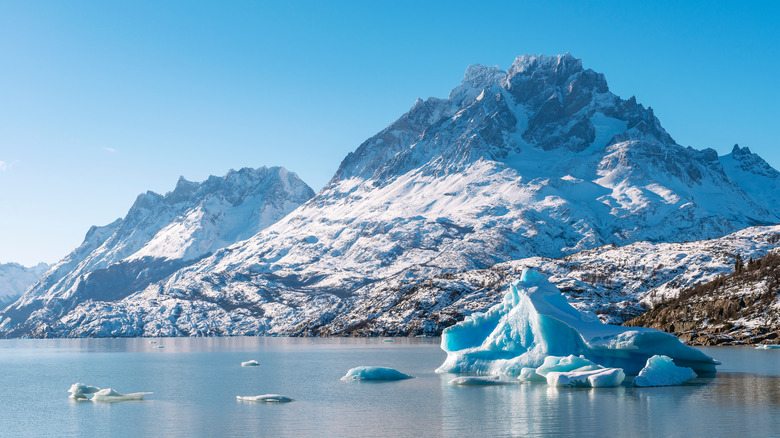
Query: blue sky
101	101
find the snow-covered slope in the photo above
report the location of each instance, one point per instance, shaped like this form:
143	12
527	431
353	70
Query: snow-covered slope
15	279
616	283
160	234
538	160
742	307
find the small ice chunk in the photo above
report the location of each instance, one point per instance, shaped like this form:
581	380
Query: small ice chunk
565	363
374	373
250	363
530	375
266	398
478	381
158	346
766	347
108	395
587	378
661	371
387	340
79	390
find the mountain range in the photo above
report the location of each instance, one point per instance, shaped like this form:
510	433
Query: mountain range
15	279
538	160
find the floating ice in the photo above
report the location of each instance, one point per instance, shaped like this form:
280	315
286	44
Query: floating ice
565	364
108	395
250	363
529	375
477	381
589	378
661	371
535	321
266	398
573	371
374	373
766	347
79	391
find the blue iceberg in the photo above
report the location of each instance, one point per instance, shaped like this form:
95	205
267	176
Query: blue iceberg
534	321
374	373
661	371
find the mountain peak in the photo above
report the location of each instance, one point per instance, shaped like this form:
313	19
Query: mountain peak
565	63
480	76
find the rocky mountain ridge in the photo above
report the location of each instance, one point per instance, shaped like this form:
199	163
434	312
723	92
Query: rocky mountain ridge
15	279
539	160
159	235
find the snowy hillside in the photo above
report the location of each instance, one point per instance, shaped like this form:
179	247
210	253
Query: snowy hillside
160	234
15	279
539	160
616	283
740	307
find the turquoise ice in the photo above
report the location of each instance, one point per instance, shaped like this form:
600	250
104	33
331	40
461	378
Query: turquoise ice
534	321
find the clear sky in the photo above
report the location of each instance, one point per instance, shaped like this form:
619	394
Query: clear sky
101	101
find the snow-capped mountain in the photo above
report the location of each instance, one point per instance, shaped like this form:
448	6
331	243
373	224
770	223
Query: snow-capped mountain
538	160
159	235
15	279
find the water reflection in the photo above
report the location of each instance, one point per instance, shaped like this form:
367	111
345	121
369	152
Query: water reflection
728	405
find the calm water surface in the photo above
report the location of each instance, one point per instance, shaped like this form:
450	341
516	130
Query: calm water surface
196	381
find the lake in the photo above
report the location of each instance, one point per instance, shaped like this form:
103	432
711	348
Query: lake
196	380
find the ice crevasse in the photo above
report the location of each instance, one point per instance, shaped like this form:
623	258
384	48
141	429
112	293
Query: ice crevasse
534	321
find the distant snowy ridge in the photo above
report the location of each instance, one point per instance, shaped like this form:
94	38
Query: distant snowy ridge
160	234
539	160
15	279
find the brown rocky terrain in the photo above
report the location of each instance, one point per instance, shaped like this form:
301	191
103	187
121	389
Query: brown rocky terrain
734	309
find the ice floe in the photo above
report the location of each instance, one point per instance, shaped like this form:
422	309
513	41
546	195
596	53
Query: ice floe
661	371
766	347
374	373
534	321
250	363
108	395
79	391
266	398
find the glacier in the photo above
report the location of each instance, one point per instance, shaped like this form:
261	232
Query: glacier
534	321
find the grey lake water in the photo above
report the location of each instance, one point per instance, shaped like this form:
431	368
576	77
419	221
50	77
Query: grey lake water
196	380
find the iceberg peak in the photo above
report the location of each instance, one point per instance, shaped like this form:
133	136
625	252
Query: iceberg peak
534	322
